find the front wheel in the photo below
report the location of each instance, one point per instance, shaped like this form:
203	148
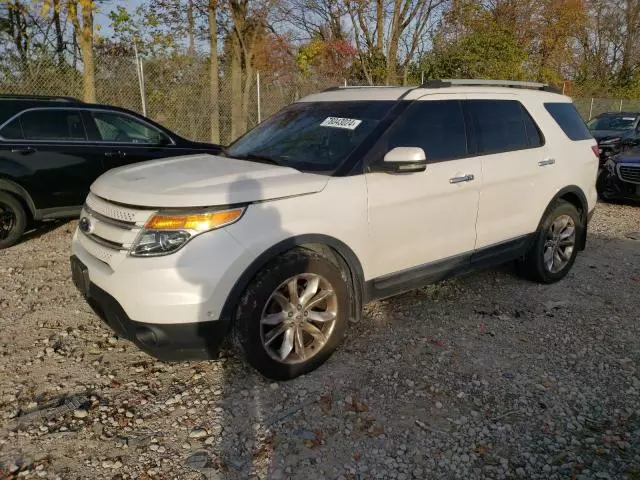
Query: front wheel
293	315
556	245
13	220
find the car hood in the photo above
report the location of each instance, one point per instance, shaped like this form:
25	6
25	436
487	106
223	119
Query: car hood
604	134
203	180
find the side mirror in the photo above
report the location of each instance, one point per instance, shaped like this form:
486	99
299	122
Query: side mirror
404	160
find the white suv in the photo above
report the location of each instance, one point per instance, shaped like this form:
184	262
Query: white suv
343	197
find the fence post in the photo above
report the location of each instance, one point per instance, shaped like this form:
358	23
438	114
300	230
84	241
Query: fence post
140	73
258	90
591	109
620	105
345	82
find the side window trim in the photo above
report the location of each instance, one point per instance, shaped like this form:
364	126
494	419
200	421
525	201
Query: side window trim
18	116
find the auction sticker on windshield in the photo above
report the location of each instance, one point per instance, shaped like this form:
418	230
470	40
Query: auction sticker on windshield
337	122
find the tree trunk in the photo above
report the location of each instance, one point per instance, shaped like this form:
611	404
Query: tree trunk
214	105
236	88
59	34
380	26
394	40
84	37
191	30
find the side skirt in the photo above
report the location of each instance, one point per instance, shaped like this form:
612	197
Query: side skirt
57	212
415	277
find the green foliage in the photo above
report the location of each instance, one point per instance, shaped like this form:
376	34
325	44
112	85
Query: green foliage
489	52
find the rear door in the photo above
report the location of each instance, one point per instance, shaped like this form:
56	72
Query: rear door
122	139
517	167
48	153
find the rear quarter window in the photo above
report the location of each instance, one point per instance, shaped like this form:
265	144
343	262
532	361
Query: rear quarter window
569	120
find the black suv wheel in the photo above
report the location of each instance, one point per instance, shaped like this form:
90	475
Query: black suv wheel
13	220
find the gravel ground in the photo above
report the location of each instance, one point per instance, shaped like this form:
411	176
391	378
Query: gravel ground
486	376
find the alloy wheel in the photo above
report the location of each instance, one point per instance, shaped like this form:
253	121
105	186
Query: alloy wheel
559	243
298	318
7	221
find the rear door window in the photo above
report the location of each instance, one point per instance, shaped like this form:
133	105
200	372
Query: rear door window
569	120
501	126
436	126
12	130
54	124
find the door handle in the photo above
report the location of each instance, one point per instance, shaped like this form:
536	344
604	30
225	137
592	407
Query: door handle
117	153
23	151
546	161
463	178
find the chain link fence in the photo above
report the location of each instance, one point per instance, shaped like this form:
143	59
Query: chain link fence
177	91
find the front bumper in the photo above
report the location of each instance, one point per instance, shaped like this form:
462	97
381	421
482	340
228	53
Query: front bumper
611	187
167	342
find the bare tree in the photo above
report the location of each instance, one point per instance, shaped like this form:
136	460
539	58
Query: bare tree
400	20
248	23
322	19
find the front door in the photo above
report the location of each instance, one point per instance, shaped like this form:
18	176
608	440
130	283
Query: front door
122	139
420	219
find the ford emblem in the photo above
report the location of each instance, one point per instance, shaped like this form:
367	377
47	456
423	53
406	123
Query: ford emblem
85	225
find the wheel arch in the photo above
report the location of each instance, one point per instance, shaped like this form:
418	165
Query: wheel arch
323	244
574	195
21	194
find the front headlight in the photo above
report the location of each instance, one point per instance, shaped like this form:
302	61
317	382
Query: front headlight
610	141
166	233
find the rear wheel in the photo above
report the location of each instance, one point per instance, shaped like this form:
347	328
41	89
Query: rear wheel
293	315
13	220
556	246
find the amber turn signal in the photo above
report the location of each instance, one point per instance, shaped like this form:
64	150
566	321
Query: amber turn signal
200	222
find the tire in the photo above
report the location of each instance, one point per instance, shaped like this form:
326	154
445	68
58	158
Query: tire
602	186
551	236
264	319
13	220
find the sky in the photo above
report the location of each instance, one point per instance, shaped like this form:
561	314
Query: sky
102	17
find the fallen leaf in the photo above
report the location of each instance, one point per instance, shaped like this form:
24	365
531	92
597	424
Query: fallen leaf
356	456
481	449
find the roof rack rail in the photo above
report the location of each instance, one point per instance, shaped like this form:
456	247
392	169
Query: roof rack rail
347	87
53	98
450	82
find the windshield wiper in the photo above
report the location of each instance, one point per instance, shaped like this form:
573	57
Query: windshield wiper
257	157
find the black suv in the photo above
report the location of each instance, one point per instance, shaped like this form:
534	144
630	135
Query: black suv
615	132
53	148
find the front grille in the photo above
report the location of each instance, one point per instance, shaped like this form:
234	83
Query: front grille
629	173
112	229
117	212
96	250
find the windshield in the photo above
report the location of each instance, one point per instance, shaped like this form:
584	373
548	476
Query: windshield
312	136
612	122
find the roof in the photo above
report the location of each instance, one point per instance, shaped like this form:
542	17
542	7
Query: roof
448	87
13	104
